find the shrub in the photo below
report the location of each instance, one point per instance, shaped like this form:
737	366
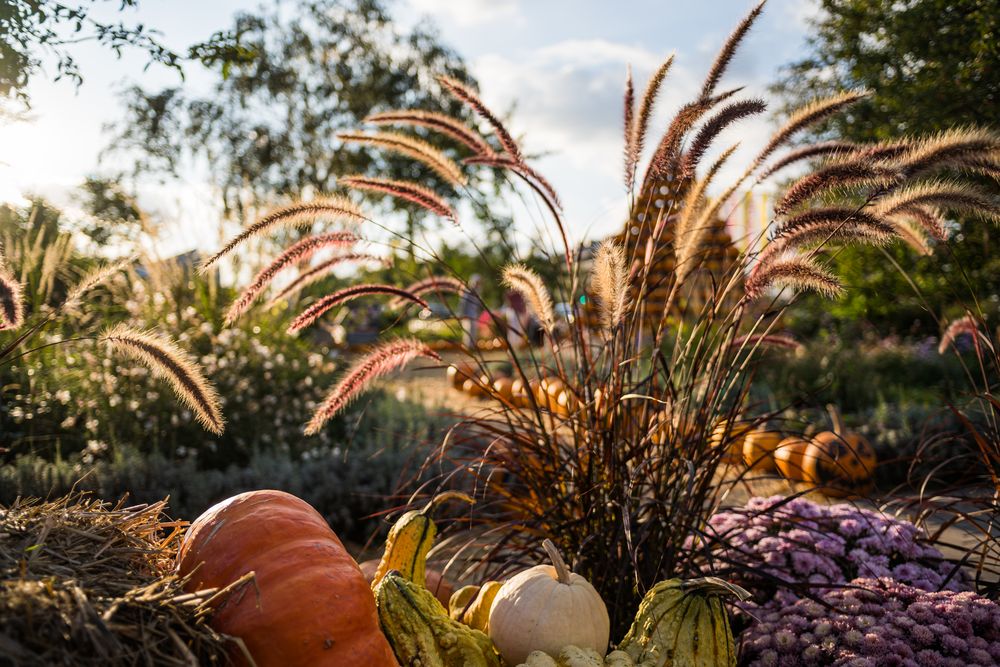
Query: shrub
878	623
780	548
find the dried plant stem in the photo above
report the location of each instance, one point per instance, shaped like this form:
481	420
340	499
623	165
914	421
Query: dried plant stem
299	252
166	360
313	312
382	360
298	214
465	95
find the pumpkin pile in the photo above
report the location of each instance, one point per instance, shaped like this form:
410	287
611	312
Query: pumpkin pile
311	604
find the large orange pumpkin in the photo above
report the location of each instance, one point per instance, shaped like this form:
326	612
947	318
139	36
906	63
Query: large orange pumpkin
789	458
758	449
309	605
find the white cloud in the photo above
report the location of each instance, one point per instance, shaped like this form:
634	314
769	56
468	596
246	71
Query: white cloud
470	12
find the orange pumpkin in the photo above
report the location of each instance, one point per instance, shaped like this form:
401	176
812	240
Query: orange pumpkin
758	449
548	391
733	436
519	393
309	604
789	458
566	403
503	388
459	373
841	461
476	386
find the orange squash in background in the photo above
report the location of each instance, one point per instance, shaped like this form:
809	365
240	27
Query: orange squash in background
309	604
789	458
758	449
842	462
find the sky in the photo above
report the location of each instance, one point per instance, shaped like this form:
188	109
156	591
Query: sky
559	65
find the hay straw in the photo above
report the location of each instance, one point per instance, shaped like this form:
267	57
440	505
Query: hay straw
86	582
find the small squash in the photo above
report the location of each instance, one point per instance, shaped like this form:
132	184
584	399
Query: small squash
758	449
310	605
519	393
460	601
422	634
732	435
459	373
477	613
546	608
566	403
789	457
503	387
409	541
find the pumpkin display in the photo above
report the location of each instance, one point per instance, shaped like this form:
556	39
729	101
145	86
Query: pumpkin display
534	388
683	623
545	608
409	541
789	457
421	632
459	373
758	449
547	392
309	604
842	462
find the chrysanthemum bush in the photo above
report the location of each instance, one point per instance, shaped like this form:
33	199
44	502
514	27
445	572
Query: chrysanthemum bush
782	549
877	623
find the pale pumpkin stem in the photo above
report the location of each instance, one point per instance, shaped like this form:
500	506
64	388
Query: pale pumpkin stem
562	572
445	497
836	420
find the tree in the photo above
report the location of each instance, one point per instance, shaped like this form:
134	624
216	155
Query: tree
31	28
268	130
931	65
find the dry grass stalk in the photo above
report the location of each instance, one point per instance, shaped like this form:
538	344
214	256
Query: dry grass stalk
950	195
927	218
729	114
439	122
532	177
166	360
340	297
405	190
951	148
828	225
628	123
464	94
382	360
635	137
411	147
728	51
320	271
433	285
93	279
609	280
913	235
824	149
836	175
798	273
809	115
298	214
965	325
11	301
783	341
299	252
529	284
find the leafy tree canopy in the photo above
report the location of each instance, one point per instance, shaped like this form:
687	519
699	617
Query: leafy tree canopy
931	65
30	29
268	129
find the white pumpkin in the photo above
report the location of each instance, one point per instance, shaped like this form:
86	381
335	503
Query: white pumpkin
546	608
